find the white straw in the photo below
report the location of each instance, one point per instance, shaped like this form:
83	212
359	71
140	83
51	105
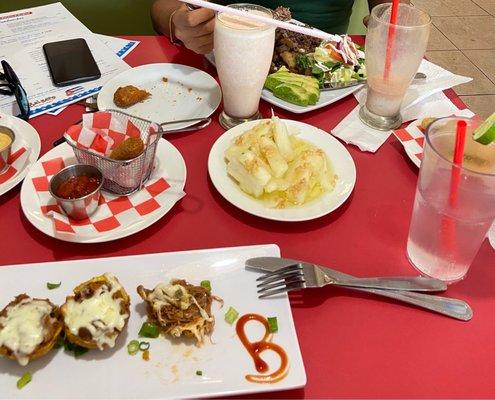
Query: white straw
266	20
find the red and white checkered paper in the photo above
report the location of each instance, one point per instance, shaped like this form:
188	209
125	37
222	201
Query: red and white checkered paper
412	137
113	211
17	161
101	132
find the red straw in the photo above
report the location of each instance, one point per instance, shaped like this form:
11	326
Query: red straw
460	141
391	37
448	225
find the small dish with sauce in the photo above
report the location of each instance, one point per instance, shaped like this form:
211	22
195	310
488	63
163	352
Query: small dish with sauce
77	189
7	137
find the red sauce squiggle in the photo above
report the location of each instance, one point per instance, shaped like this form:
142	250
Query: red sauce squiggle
256	348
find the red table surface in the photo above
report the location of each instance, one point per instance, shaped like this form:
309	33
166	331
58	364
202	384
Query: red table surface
353	345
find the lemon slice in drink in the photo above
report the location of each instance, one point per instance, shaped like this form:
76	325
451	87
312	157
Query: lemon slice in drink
485	133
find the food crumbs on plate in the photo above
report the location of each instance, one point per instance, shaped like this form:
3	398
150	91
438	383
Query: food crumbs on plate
189	89
199	98
187	353
146	355
199	373
165	79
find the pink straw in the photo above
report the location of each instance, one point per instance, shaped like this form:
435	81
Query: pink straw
391	38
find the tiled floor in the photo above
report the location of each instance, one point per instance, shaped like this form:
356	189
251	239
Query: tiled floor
463	40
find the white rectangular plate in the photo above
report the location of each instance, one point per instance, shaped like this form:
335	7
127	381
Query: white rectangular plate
171	371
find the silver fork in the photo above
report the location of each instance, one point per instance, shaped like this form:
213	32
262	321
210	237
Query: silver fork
305	275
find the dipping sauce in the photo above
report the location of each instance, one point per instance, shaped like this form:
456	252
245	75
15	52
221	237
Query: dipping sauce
5	140
256	348
77	186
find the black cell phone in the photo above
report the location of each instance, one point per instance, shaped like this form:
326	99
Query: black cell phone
70	61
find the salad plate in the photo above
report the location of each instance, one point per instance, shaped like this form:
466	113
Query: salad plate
327	97
176	368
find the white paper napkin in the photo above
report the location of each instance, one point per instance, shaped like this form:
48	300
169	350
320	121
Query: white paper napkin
424	98
437	79
351	130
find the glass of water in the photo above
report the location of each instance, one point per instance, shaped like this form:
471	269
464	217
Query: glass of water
450	220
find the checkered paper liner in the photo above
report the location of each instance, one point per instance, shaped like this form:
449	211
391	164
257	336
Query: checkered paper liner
412	137
113	212
101	132
17	161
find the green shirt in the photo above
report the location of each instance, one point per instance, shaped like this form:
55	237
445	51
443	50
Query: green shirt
331	16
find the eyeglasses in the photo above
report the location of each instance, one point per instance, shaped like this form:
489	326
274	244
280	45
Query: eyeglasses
14	87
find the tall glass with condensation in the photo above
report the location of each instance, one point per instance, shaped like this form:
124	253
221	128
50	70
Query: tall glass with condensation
450	220
389	81
243	54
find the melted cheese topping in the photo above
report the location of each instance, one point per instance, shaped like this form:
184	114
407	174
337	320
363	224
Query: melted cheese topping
176	295
99	314
23	329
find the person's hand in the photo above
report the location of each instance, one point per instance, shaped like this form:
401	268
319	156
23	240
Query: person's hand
194	28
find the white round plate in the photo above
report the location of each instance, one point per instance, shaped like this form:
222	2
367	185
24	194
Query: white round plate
31	140
169	164
188	93
341	160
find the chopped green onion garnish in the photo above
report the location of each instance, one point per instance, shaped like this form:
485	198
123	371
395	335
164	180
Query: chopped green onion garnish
133	347
79	351
272	324
199	373
206	284
53	285
149	330
231	315
24	380
143	346
60	342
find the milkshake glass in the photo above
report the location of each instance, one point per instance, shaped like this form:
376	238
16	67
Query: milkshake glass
243	54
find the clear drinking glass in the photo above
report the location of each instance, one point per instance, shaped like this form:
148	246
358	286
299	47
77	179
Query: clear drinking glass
243	54
447	230
387	84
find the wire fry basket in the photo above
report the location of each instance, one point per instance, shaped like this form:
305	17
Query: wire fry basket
123	177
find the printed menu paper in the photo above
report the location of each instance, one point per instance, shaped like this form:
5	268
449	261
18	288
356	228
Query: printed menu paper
22	36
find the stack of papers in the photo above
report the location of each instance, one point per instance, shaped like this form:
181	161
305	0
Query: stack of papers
22	36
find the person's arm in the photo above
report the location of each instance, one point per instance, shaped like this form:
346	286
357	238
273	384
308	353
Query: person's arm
373	3
193	28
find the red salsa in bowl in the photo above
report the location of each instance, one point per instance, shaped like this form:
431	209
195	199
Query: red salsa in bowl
76	187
